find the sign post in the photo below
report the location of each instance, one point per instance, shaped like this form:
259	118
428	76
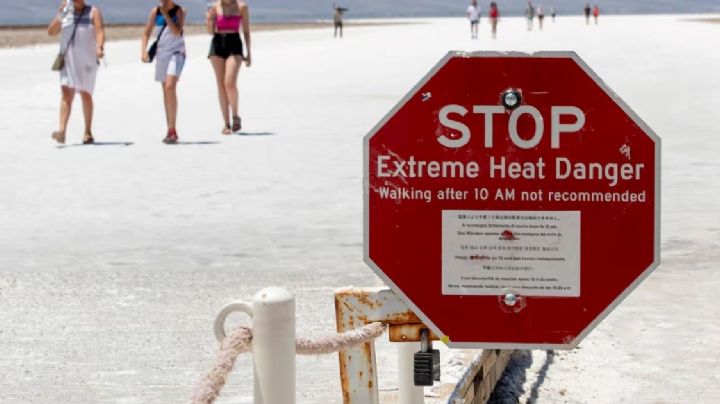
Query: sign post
512	200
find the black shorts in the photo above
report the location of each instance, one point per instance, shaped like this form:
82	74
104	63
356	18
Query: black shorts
226	45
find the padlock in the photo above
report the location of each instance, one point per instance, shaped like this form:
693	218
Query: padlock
426	363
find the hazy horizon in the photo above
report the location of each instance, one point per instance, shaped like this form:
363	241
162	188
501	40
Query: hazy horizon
32	12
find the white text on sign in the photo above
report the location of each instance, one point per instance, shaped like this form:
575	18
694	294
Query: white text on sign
487	111
564	168
564	120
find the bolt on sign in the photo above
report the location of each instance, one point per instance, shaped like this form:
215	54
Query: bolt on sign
512	200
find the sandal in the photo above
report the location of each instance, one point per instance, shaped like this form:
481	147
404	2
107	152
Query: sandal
88	138
59	136
237	124
226	130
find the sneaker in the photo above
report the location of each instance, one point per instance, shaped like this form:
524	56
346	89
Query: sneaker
171	138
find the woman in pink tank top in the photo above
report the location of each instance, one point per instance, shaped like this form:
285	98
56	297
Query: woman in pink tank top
225	19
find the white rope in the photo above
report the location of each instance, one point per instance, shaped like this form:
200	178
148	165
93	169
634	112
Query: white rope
239	341
213	382
339	342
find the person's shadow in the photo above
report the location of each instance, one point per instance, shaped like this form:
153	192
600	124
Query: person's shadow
96	144
254	133
180	143
197	143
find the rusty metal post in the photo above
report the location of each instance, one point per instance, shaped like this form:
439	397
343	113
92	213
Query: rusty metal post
355	307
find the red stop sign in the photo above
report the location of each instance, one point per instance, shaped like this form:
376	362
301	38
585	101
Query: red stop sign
512	200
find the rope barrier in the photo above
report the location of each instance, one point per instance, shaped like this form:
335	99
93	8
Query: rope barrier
339	342
213	382
239	341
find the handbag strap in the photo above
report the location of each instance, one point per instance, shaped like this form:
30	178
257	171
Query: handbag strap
75	25
161	29
172	13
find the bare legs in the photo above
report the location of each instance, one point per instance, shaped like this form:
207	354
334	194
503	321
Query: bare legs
169	87
218	65
68	95
88	106
226	75
232	69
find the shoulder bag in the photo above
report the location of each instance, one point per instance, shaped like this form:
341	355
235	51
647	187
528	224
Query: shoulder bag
59	62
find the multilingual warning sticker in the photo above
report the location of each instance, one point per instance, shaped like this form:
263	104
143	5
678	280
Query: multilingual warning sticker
533	253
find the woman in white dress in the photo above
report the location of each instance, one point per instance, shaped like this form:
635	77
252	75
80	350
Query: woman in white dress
82	37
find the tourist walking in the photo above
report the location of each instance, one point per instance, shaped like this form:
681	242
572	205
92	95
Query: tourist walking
494	14
473	14
166	23
530	15
338	20
552	13
224	21
596	13
587	13
541	16
82	40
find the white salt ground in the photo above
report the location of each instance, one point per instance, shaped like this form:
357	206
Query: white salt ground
114	259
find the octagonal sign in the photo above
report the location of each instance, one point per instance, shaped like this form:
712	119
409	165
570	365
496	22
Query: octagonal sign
512	200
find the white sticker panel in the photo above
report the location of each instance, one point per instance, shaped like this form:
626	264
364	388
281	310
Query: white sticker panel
531	253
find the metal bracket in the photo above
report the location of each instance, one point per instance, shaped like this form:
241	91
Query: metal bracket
355	307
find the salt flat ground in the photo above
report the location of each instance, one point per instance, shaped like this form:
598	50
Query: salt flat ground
114	259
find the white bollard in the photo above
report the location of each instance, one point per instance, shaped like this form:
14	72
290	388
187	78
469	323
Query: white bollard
273	343
407	390
273	346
